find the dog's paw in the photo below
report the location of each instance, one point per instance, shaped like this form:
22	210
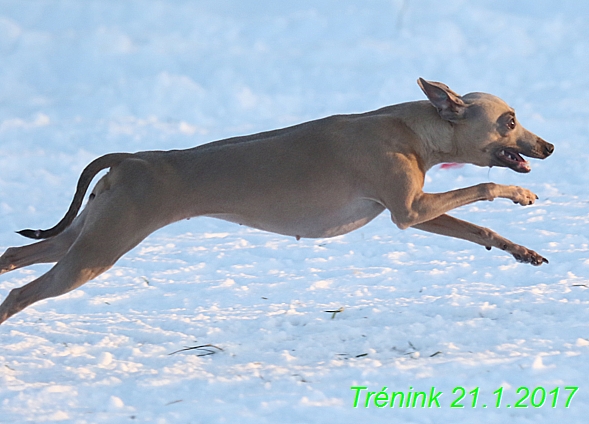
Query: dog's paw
527	256
6	260
522	196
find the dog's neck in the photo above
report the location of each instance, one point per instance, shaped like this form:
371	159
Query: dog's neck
435	135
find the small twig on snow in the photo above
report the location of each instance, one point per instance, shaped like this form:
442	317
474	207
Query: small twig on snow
337	311
210	351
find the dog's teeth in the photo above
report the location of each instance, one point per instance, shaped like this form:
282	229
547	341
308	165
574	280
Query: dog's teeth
510	155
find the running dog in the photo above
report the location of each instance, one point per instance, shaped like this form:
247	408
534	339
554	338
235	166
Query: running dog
318	179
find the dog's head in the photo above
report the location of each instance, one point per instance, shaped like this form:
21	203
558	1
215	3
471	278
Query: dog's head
486	131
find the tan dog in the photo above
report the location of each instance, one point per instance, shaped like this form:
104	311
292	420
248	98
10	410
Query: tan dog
318	179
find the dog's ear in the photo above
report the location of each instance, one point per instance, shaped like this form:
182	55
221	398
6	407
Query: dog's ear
449	104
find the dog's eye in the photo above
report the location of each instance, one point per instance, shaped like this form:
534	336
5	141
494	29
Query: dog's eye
511	124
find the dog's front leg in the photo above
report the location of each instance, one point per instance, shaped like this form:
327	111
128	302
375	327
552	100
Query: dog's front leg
416	206
453	227
403	194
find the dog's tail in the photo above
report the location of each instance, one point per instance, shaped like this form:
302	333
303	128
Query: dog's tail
84	181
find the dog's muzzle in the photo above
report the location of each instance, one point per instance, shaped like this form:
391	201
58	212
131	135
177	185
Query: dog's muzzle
511	157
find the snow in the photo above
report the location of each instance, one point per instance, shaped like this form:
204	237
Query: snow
82	78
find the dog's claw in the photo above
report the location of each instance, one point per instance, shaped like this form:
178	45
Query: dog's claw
526	256
539	261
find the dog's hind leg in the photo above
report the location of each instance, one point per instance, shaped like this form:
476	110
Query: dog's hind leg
45	251
115	223
51	249
453	227
87	258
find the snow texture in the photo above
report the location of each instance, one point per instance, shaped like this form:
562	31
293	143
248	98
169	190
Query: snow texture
80	78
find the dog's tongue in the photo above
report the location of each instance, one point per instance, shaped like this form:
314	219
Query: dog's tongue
524	166
451	165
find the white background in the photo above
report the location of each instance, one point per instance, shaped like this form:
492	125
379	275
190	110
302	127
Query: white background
82	78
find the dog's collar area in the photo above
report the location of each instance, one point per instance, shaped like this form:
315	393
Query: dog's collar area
512	159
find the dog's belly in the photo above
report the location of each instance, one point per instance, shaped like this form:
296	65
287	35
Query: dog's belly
328	223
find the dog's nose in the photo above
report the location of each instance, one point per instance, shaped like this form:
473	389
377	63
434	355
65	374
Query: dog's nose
544	146
548	148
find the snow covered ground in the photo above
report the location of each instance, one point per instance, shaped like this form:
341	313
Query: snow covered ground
79	78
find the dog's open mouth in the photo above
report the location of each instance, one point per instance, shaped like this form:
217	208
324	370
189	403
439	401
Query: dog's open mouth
512	159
